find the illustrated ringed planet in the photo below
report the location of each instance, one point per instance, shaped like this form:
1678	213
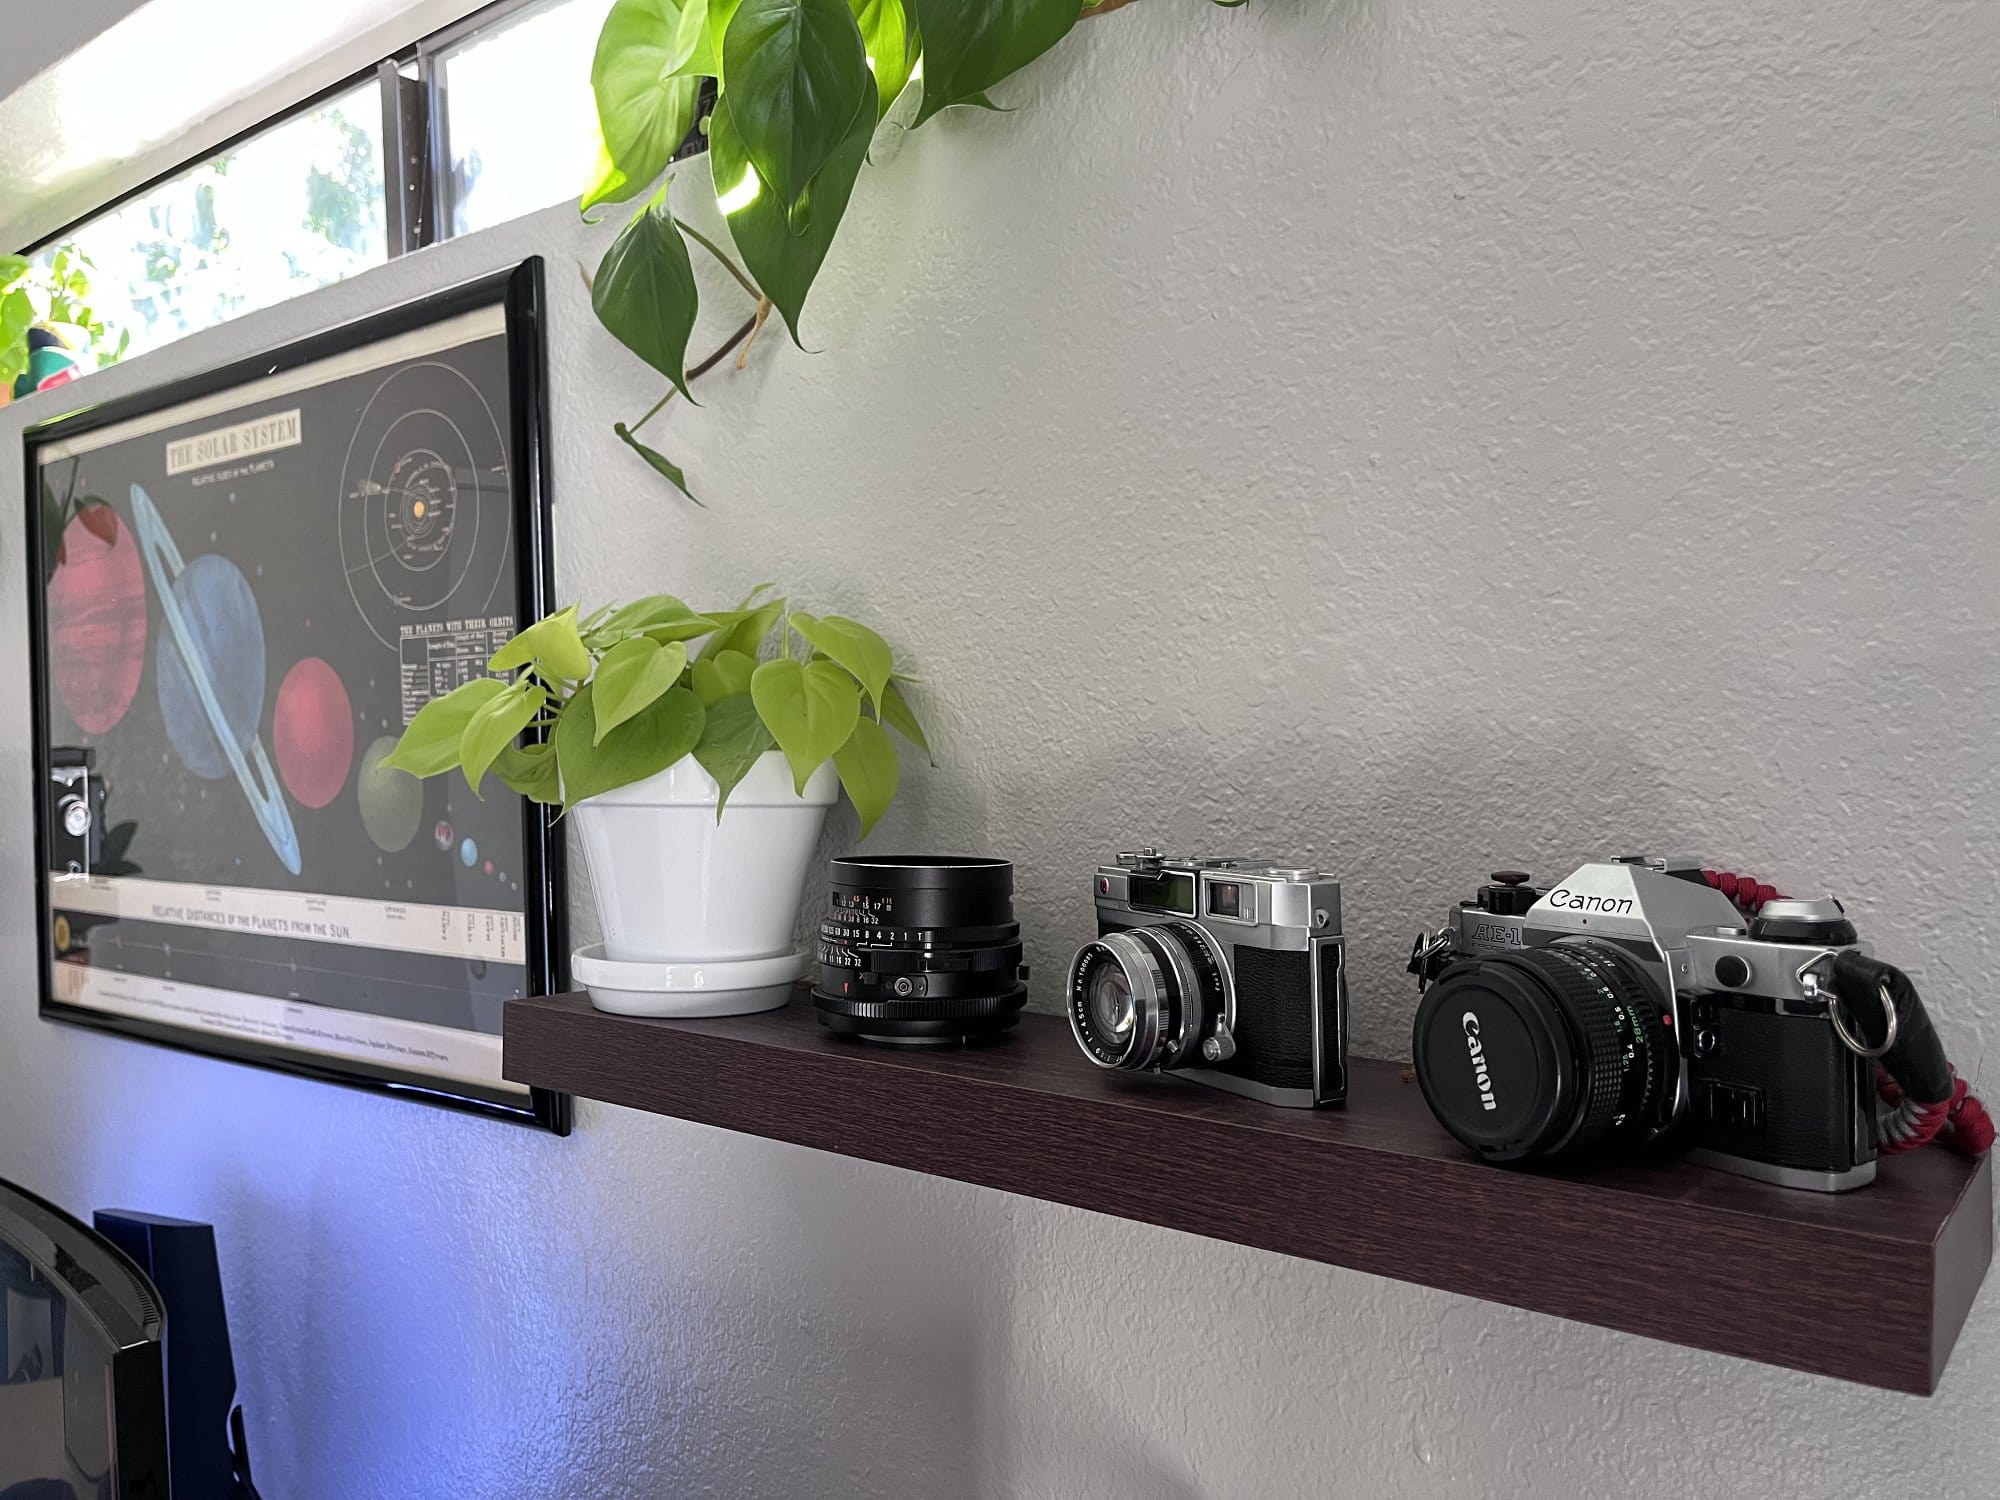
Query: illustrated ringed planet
253	772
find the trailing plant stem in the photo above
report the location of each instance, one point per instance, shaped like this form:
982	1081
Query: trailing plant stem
749	327
742	277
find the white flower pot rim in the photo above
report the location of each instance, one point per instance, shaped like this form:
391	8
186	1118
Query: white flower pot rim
686	783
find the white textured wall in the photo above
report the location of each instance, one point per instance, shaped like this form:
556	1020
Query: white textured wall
1418	437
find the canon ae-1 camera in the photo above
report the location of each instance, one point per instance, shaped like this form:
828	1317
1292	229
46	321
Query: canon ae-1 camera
1632	1003
1228	972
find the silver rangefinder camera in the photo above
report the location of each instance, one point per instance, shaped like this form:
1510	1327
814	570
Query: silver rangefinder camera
1634	1002
1229	972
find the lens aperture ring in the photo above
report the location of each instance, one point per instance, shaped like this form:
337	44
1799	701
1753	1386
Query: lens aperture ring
1005	958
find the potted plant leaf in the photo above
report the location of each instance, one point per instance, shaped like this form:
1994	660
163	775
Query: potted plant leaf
699	751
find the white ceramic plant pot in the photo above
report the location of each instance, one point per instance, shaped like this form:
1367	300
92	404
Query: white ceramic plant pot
674	885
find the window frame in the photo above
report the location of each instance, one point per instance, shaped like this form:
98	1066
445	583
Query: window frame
416	147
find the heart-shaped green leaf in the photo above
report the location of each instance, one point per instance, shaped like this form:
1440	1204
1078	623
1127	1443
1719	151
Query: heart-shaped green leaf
644	111
726	674
732	740
797	74
891	46
661	616
970	45
897	714
632	675
782	257
642	746
430	745
810	710
645	292
695	54
554	645
531	771
744	629
854	646
496	725
869	770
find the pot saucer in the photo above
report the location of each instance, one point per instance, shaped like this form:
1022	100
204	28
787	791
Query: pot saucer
737	987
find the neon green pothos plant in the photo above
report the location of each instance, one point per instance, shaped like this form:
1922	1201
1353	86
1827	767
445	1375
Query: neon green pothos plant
798	88
631	690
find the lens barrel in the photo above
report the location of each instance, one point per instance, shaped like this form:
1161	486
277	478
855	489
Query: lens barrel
1546	1052
1144	997
920	949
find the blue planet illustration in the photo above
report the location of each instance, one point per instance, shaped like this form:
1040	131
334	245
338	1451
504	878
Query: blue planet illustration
210	667
468	854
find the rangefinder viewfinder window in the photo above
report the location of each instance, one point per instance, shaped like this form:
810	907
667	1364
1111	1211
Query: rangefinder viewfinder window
1164	893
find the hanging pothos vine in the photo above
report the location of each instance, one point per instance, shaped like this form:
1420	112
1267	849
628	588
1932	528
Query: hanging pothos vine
798	87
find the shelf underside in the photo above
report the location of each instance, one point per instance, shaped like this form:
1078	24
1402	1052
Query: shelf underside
1870	1286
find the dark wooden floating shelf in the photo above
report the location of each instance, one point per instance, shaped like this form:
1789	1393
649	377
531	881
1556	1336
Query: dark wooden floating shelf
1870	1286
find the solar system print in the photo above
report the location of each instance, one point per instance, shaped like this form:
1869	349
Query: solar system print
246	595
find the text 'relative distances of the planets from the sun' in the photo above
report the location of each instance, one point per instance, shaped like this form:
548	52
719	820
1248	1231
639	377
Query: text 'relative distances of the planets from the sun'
249	600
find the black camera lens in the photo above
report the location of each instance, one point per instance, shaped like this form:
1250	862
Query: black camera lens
1146	996
920	949
1546	1052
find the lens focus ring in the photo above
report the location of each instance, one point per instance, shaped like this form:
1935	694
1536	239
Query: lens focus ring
1585	988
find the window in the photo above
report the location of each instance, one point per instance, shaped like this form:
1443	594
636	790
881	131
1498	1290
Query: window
296	207
503	160
481	123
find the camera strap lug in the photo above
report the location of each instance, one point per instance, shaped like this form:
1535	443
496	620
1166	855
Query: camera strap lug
1425	952
1816	979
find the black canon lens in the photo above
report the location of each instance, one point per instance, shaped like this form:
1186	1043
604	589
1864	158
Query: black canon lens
1546	1052
920	949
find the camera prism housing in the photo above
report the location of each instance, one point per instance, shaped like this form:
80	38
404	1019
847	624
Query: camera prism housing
1632	1003
1230	973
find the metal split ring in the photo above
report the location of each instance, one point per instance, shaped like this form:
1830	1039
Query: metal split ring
1836	1012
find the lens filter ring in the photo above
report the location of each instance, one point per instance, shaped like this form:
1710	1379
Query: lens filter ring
1117	999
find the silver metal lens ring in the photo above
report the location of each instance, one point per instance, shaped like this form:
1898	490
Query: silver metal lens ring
1193	1022
1140	964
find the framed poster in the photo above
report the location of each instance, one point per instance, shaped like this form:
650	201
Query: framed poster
242	587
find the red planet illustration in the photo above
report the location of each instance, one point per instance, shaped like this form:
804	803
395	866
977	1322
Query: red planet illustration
312	732
97	619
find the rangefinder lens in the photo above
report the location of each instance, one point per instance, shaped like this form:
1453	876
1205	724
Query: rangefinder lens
1146	996
920	949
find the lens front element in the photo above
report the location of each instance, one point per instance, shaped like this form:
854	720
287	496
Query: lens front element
1111	1003
1145	997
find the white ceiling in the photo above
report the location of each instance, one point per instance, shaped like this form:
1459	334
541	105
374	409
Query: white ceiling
104	95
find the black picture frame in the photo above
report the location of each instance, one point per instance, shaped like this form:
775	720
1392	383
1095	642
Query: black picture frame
519	292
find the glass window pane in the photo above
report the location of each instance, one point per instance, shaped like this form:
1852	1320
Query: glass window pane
520	121
298	207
